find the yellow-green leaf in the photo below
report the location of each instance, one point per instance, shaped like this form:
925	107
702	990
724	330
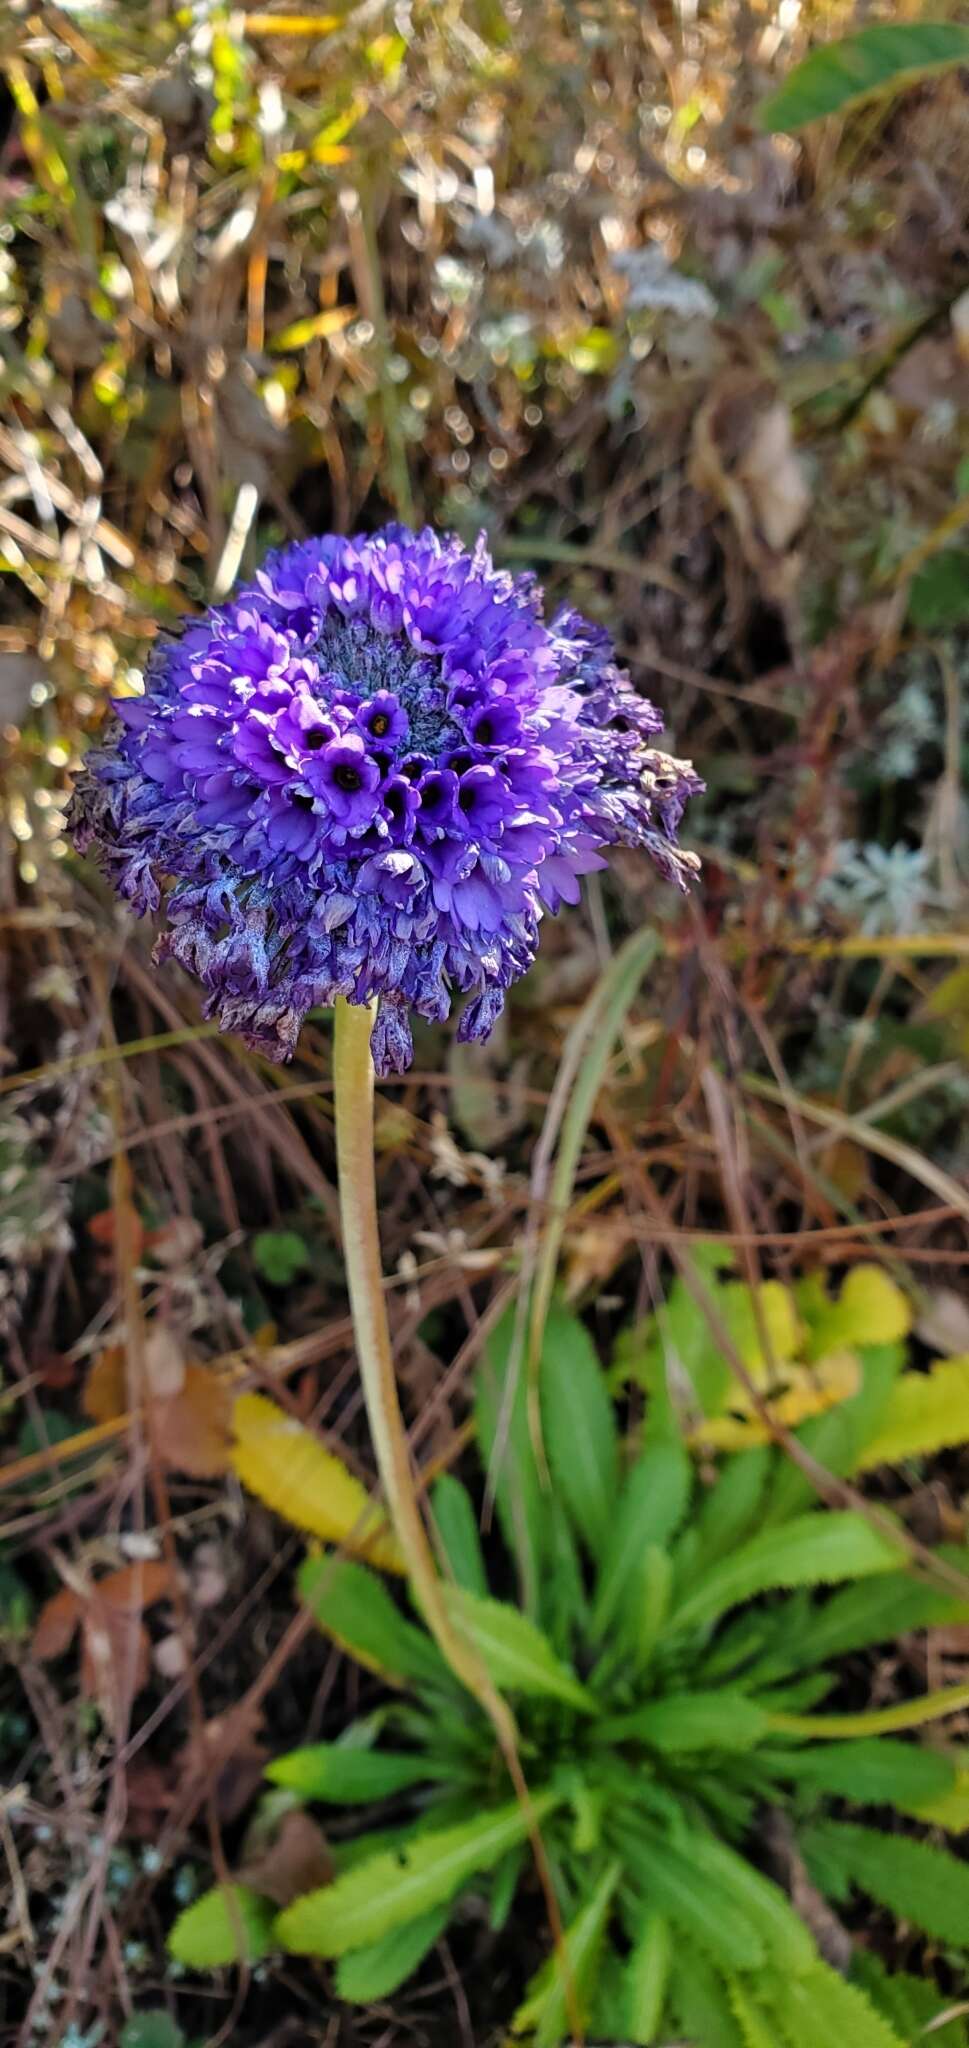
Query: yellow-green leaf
763	1324
927	1411
398	1885
802	1391
950	1810
315	328
229	1924
284	1465
357	1612
870	1309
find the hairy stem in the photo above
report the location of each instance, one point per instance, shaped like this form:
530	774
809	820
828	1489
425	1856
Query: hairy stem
353	1098
353	1093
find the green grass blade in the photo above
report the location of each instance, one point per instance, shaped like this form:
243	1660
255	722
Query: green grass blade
579	1428
589	1049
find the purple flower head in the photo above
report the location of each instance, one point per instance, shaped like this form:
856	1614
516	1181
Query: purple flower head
369	774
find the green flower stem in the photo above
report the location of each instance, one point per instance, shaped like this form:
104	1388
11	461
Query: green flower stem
353	1095
879	1721
353	1079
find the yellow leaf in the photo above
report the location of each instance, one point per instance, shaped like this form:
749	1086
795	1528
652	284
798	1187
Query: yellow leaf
928	1411
813	1388
322	147
290	24
805	1390
314	328
873	1309
776	1315
282	1463
870	1309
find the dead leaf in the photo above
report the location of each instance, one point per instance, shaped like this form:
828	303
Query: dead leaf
115	1656
297	1860
191	1430
149	1790
593	1251
176	1242
56	1624
774	479
743	456
136	1586
164	1362
231	1745
115	1648
55	1369
106	1388
103	1228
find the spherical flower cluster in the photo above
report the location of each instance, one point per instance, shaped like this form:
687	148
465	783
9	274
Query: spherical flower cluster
367	775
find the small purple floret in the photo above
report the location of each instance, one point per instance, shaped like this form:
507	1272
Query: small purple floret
368	775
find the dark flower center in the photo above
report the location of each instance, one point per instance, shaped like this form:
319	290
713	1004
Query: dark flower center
379	724
347	778
314	740
484	732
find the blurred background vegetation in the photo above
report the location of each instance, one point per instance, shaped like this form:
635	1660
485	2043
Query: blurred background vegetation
543	269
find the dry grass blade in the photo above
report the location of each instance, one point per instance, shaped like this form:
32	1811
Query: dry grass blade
862	1133
585	1059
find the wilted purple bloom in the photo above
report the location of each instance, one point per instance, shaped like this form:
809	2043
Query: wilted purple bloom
368	775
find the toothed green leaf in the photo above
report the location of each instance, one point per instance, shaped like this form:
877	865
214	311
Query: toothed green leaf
229	1924
519	1657
915	1880
378	1970
816	1549
820	2007
387	1891
650	1508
